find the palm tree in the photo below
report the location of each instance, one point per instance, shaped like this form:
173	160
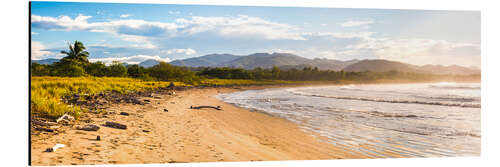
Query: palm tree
76	52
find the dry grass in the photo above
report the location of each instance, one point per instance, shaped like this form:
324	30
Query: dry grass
47	92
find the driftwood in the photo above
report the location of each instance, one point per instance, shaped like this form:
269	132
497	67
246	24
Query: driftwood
88	127
200	107
115	125
124	113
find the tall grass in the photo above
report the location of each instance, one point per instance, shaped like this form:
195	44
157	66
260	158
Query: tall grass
47	92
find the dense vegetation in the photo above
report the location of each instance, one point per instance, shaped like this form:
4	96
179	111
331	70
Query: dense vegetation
313	74
75	74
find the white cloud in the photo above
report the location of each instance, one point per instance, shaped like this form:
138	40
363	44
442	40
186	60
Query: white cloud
61	22
187	51
356	23
125	15
140	30
34	33
38	50
129	60
340	35
241	26
145	45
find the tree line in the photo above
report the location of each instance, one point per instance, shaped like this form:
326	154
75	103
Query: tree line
308	74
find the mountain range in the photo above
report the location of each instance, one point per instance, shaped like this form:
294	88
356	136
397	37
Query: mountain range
45	61
289	61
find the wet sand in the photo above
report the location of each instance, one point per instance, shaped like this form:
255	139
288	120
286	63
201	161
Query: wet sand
183	135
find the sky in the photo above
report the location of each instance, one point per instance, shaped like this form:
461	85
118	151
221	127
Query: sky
133	33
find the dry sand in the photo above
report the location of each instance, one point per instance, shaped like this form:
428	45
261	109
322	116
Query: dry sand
184	135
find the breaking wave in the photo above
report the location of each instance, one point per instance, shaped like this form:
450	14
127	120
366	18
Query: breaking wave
451	104
451	85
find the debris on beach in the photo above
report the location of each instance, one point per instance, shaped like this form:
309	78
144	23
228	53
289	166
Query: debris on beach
53	149
165	110
200	107
65	117
144	130
124	113
98	138
171	85
42	123
89	127
147	100
115	125
44	129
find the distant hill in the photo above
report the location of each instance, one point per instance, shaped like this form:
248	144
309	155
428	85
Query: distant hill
386	65
453	69
211	60
45	61
265	60
380	65
149	63
262	60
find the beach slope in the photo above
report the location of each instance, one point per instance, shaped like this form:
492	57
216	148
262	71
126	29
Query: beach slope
182	134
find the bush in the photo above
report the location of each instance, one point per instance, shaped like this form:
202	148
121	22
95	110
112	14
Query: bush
117	70
97	69
70	70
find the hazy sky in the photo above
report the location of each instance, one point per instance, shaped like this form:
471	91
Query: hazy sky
136	32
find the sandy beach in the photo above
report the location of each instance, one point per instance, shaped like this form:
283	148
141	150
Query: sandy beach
183	135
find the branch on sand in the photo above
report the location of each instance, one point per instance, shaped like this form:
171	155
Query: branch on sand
200	107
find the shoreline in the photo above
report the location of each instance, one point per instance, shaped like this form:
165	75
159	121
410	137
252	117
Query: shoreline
184	135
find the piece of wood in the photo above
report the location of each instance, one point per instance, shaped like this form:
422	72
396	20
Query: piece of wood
115	125
89	127
200	107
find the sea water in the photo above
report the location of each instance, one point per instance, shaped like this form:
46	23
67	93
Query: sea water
410	120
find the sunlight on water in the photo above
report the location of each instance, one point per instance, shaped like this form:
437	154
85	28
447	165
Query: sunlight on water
385	120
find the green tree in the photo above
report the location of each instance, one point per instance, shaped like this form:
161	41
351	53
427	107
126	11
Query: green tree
97	69
76	52
162	71
275	72
166	72
136	71
117	69
70	70
40	69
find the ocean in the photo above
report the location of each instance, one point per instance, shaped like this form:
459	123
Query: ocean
380	120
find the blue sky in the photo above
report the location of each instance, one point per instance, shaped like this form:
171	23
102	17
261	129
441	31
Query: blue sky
136	32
